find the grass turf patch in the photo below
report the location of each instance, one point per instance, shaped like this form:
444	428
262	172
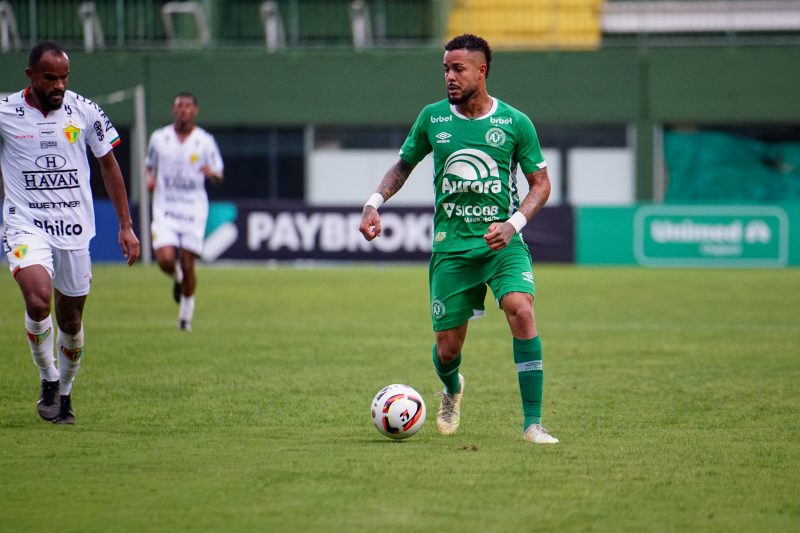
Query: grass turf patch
674	394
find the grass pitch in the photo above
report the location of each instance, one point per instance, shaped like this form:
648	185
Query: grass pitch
675	394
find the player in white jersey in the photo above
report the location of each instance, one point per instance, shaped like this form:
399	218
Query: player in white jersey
180	158
49	217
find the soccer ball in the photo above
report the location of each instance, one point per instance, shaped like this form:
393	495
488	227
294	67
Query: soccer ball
398	411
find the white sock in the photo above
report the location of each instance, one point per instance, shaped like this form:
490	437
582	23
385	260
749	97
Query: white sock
70	351
178	273
40	341
187	308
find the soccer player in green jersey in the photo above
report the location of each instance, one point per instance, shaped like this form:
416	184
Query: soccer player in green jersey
477	143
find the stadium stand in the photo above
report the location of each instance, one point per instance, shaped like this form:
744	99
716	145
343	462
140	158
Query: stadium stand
362	24
529	24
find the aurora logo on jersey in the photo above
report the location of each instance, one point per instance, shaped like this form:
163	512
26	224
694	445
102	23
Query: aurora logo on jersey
71	132
473	167
471	164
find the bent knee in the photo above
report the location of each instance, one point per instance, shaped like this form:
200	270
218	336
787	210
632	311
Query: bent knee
448	348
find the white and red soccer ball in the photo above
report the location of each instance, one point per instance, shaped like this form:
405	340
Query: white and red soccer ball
398	411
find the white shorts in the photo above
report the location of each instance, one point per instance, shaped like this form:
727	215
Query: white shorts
163	235
70	270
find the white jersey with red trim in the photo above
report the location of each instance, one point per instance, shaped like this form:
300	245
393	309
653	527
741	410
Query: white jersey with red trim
180	201
46	170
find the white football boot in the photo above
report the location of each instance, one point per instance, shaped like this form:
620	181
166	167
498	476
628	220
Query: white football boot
449	416
538	435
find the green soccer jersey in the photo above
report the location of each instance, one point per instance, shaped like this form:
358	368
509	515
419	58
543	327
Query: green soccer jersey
474	162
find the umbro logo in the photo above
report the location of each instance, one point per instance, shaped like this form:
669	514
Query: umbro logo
443	137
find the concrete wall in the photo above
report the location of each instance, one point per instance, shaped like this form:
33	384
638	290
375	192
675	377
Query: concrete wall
640	88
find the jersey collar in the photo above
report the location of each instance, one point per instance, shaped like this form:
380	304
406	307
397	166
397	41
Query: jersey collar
27	92
489	113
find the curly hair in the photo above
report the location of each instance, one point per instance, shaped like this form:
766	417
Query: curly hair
473	43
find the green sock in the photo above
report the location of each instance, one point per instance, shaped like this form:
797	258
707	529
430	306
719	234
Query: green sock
528	358
448	373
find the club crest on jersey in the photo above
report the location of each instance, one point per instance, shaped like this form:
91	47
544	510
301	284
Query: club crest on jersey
20	251
71	132
194	158
495	137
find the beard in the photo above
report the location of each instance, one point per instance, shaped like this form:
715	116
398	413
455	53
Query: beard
51	101
465	95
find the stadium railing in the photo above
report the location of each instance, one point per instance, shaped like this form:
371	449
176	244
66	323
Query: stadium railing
277	25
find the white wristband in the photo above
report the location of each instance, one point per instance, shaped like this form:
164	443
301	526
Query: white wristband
517	220
376	200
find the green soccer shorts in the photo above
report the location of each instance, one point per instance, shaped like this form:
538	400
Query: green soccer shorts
458	281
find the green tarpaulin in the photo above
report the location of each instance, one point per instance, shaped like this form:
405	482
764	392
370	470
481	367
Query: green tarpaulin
721	167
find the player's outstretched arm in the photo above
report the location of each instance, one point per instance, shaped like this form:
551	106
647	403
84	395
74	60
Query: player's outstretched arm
392	181
115	187
500	233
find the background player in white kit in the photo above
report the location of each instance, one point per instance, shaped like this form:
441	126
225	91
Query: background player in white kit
49	215
180	157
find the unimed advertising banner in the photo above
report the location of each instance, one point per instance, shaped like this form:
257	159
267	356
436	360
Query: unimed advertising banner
668	235
711	236
257	231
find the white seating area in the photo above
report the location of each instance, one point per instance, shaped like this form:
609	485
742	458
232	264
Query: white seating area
701	16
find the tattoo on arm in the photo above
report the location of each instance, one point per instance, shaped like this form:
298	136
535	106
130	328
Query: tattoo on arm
394	179
538	194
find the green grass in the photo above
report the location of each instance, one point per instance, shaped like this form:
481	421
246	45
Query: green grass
675	394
